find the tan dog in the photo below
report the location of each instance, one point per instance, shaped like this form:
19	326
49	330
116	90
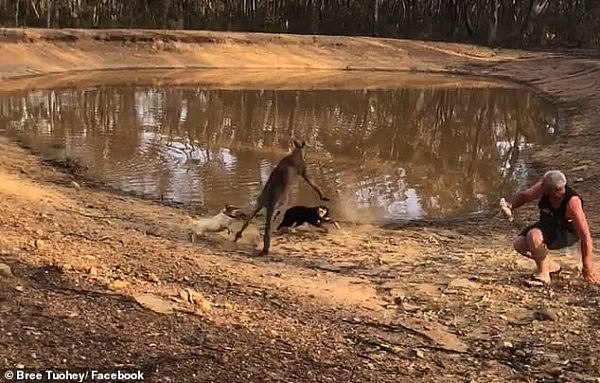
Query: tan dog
217	223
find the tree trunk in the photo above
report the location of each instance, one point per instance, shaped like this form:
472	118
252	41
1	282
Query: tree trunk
375	18
17	13
493	23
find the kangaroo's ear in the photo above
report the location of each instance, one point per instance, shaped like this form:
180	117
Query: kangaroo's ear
303	144
297	144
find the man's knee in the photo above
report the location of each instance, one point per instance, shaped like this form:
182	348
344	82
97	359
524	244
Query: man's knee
519	243
535	237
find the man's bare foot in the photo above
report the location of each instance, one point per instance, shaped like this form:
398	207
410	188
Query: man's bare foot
554	267
538	280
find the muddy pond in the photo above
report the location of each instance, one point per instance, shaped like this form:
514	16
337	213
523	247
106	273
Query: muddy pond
381	154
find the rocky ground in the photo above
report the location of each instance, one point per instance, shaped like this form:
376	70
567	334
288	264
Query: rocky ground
90	277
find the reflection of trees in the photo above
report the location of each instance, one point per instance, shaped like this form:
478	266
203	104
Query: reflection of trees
453	146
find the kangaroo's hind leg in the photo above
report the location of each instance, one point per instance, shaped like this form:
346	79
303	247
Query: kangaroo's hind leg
281	207
238	235
267	237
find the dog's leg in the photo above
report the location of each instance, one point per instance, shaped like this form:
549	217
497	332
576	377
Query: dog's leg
323	229
293	227
267	237
280	224
238	235
320	227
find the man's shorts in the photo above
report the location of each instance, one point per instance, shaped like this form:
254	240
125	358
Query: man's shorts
554	237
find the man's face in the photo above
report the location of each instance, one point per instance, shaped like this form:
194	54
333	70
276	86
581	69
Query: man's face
554	192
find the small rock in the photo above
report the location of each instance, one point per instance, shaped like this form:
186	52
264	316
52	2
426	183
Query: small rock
463	283
398	295
19	288
39	244
507	344
578	180
154	303
5	270
582	378
545	313
196	299
153	278
418	353
33	355
579	168
118	285
75	185
39	232
409	307
520	353
20	366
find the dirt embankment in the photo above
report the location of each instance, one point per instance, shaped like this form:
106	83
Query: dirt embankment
104	280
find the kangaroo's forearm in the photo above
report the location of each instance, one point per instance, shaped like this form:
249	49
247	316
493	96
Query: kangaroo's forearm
316	189
313	186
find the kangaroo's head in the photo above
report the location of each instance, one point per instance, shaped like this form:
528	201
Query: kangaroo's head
299	151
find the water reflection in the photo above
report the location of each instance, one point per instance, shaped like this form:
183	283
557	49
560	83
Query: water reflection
402	153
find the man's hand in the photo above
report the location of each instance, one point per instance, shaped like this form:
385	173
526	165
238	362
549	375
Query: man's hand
505	207
591	275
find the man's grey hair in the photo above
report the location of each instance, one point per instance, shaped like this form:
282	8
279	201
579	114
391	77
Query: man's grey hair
555	179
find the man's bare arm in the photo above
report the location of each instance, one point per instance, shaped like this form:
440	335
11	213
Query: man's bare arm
576	213
527	195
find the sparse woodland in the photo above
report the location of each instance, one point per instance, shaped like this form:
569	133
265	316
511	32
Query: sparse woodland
510	23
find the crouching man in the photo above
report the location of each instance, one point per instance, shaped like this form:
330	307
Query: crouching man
561	224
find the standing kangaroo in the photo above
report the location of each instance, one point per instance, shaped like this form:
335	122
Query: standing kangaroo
277	189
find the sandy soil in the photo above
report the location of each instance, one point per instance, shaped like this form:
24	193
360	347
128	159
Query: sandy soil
102	279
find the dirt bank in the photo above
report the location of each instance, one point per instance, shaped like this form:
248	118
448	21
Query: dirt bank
436	303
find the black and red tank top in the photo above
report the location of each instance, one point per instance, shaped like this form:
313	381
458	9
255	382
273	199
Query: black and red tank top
557	217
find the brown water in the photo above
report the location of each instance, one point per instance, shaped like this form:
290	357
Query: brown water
391	154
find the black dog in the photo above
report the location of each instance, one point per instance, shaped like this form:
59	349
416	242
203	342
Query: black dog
297	215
